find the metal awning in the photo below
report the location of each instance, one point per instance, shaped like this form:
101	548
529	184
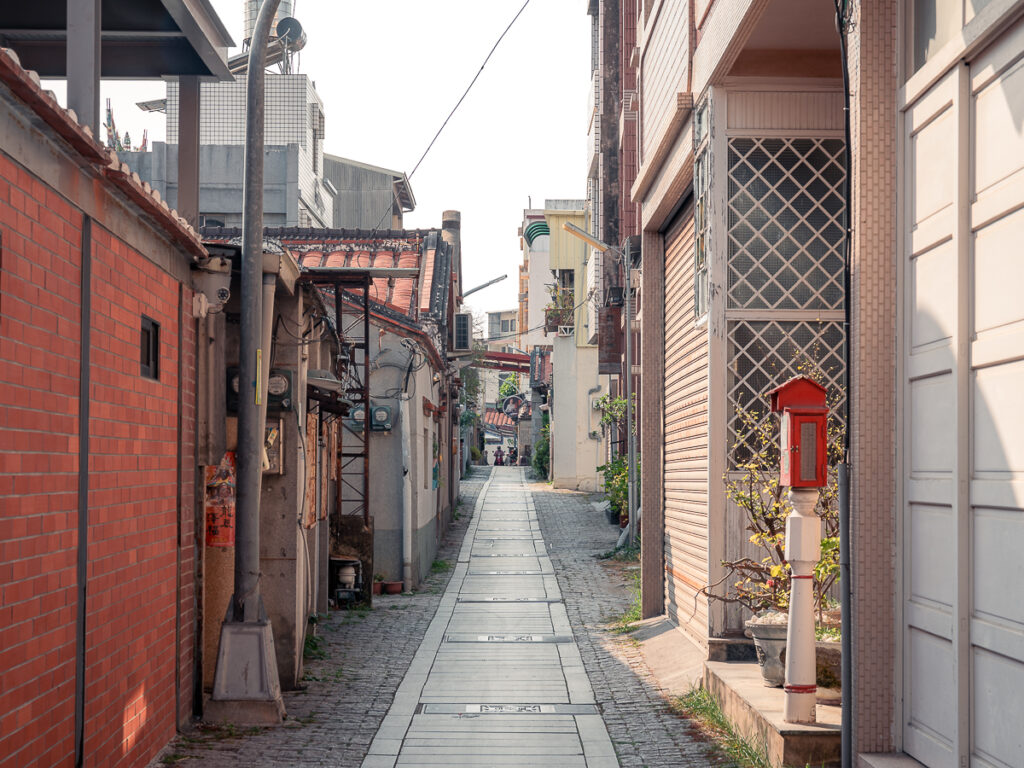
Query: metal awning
140	39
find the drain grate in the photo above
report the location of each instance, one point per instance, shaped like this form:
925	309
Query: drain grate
507	709
506	638
514	554
509	600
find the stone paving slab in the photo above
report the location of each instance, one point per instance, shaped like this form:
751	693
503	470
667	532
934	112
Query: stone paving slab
368	694
644	732
491	659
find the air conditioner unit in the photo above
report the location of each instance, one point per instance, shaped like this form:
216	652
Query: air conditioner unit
463	341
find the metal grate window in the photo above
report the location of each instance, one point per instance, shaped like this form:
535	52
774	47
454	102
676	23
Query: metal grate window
764	354
785	226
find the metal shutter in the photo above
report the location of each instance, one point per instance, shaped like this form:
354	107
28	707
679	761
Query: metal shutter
686	434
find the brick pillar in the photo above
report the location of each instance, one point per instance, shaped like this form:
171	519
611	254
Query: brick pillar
873	84
652	443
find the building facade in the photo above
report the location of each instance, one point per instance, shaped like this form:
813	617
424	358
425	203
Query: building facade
297	192
740	185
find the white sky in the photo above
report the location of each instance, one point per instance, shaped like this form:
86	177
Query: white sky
389	71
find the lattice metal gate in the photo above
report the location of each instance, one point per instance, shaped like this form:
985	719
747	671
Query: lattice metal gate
785	295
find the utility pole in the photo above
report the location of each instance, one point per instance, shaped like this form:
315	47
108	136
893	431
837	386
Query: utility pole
631	506
246	687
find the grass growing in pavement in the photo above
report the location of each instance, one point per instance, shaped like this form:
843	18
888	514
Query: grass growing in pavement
440	566
700	707
622	555
627	621
314	647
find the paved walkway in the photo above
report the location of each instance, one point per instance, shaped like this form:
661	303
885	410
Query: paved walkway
498	679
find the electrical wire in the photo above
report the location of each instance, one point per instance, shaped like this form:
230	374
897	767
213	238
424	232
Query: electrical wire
590	296
457	105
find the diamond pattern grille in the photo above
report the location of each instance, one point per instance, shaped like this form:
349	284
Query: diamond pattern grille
764	354
785	223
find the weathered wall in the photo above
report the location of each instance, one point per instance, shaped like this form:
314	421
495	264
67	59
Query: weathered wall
574	454
386	454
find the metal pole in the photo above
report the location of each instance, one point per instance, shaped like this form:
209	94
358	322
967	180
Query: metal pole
631	450
844	469
246	599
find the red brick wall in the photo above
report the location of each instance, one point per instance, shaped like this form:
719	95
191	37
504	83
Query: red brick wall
136	575
39	363
187	566
629	218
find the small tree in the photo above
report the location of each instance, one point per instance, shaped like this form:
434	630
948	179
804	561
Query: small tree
509	386
764	584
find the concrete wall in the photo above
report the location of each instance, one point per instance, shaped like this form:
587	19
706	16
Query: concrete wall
386	487
540	275
574	454
294	116
220	188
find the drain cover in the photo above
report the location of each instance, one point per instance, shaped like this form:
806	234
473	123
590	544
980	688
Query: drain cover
508	709
509	638
509	600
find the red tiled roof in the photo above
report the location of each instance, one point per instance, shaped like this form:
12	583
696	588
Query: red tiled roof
401	294
25	85
428	279
498	420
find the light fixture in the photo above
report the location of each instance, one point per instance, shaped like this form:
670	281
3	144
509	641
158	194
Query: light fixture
585	236
324	379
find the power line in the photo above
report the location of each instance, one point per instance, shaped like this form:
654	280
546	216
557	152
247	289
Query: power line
503	337
457	105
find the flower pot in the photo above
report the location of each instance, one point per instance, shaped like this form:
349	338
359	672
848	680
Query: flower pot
770	644
392	587
378	587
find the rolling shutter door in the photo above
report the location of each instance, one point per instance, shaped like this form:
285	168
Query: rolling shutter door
686	434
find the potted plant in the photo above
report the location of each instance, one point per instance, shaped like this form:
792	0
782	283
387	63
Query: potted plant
561	310
378	583
392	587
763	585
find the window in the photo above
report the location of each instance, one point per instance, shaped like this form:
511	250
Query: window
149	349
508	326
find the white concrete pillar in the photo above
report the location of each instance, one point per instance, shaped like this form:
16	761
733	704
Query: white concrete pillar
803	550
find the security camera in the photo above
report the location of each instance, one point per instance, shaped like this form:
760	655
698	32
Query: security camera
213	279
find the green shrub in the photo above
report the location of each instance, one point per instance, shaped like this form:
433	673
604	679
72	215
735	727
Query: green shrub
542	452
474	453
616	482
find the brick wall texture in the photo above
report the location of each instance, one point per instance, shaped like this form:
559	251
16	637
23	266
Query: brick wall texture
872	49
140	589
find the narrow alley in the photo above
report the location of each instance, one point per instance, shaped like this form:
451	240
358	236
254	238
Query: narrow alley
512	662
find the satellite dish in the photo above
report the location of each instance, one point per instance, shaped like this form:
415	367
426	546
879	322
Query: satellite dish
290	30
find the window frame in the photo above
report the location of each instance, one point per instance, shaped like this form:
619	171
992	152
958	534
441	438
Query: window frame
149	348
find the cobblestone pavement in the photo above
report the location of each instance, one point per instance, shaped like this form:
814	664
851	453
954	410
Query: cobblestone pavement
367	653
347	694
643	729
